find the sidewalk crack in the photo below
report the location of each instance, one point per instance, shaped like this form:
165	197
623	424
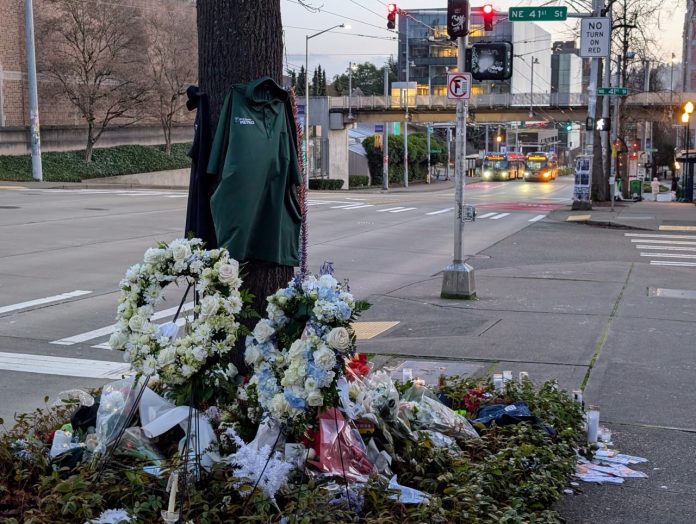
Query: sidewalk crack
605	332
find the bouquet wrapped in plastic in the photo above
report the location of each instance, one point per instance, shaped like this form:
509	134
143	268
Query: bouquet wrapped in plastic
341	449
425	411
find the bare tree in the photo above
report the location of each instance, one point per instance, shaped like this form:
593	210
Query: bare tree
95	51
173	63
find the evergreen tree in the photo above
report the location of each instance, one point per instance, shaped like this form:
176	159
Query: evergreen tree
313	88
323	82
301	78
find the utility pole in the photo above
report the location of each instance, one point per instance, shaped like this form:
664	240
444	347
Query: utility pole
36	169
606	151
350	90
408	67
427	144
458	278
385	146
531	88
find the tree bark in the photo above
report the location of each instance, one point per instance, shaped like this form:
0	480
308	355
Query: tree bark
240	41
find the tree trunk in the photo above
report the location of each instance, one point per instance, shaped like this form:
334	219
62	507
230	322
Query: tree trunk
240	41
168	138
90	142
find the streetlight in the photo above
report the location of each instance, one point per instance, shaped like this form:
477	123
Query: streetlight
306	111
350	90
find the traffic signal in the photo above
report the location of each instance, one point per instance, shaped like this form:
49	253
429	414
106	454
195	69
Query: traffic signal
489	61
391	16
569	126
488	15
457	18
603	124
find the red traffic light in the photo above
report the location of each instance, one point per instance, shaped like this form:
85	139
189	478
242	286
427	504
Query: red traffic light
391	16
488	15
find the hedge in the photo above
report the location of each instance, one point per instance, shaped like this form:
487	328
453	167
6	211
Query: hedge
358	181
325	183
69	166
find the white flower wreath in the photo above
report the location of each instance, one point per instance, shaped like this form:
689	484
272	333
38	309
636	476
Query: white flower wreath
155	349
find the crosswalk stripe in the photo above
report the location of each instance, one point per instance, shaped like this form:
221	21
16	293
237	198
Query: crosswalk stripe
667	255
668	248
107	330
537	218
671	263
501	215
64	366
402	210
359	206
487	215
179	322
389	209
649	235
41	301
655	241
343	206
440	211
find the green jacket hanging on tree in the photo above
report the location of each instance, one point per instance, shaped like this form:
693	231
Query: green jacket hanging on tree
255	207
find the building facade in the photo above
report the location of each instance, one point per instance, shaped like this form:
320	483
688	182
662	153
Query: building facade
431	54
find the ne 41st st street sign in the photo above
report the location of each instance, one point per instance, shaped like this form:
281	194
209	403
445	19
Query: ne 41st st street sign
615	91
538	14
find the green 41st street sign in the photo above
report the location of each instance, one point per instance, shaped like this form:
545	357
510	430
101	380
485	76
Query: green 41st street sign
538	14
609	91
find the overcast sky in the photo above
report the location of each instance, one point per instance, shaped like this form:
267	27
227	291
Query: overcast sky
334	50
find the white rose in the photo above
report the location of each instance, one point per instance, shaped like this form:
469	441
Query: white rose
310	384
338	339
118	340
166	357
229	272
315	398
325	358
297	350
252	355
209	306
279	405
136	323
181	251
154	255
263	331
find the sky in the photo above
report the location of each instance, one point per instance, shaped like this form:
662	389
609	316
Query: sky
369	40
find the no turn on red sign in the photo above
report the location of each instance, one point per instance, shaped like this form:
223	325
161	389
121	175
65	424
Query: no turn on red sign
458	86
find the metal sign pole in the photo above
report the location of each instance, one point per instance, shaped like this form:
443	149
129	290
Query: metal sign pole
458	277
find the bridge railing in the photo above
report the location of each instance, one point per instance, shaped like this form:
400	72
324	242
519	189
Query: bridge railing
500	100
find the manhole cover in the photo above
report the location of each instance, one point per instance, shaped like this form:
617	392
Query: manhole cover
9	207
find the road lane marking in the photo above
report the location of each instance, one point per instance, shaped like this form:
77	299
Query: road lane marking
447	210
404	209
677	228
390	209
667	255
671	263
345	205
179	322
668	248
501	215
107	330
359	206
487	215
537	218
656	241
63	366
41	301
648	235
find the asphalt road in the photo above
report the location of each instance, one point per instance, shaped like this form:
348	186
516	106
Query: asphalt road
63	252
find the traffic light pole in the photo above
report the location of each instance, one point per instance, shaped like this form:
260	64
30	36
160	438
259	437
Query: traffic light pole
606	144
458	278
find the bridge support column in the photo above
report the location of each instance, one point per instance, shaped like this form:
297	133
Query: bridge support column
339	155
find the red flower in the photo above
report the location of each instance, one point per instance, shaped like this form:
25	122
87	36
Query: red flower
358	365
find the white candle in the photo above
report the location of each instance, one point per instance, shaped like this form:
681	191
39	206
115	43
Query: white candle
172	492
592	424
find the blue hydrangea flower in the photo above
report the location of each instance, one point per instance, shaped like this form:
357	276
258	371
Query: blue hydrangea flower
294	401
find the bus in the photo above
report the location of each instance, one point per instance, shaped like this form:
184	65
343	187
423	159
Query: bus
540	166
503	166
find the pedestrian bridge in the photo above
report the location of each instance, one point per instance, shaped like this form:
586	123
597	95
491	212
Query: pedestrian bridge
502	107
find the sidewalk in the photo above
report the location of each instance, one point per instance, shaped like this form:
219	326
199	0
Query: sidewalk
646	215
566	301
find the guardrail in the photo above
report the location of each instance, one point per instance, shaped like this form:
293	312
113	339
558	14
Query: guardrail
505	100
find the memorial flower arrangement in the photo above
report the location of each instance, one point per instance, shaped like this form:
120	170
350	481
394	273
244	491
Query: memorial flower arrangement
208	337
300	351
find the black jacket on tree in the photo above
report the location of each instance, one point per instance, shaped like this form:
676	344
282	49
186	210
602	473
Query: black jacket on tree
199	220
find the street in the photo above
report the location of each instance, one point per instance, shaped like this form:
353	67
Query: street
64	251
